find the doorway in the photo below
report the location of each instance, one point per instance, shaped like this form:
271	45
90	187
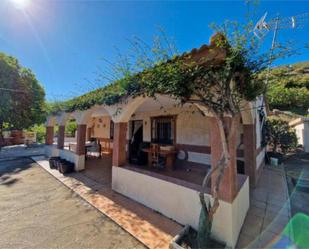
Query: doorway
136	142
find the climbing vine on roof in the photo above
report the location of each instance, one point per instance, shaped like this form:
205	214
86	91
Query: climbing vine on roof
200	74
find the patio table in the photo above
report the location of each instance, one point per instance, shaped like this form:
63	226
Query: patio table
168	154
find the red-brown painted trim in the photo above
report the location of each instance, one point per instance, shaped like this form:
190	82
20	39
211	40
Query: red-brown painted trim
194	148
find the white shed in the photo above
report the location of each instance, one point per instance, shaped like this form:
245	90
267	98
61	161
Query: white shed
301	126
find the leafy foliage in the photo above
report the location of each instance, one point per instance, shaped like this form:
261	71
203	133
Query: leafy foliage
280	136
289	88
71	128
40	131
22	97
213	79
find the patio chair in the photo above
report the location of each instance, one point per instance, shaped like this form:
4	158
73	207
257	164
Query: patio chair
94	148
156	160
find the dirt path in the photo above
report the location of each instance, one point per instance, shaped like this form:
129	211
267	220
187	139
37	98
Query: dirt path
37	211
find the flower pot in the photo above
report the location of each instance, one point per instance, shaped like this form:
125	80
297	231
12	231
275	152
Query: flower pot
66	167
187	239
52	162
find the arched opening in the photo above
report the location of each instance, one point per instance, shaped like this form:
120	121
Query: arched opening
98	136
168	139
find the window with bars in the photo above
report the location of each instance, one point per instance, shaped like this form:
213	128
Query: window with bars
163	130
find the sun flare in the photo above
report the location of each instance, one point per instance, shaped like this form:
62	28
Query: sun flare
20	4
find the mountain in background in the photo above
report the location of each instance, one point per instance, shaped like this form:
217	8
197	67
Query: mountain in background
288	88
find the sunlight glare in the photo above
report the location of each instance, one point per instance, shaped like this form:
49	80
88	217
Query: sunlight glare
20	4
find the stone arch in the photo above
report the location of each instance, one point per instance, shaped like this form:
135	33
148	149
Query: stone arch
123	112
246	113
82	117
51	121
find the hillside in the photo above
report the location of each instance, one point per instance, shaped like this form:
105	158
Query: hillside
289	88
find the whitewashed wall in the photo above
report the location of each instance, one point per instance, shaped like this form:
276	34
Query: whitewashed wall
101	126
181	203
192	128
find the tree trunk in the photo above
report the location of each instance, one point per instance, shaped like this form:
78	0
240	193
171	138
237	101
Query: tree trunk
208	210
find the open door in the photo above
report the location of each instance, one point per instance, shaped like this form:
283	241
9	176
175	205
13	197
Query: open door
136	155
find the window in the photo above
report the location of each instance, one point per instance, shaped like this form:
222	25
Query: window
163	130
111	130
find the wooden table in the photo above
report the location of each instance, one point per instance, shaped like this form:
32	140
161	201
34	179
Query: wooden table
168	154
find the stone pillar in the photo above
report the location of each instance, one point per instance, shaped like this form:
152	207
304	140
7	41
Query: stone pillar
81	139
49	138
249	141
60	142
119	144
229	183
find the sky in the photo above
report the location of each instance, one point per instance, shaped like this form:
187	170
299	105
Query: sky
63	41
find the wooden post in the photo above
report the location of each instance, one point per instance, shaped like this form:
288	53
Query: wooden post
119	144
81	139
60	142
49	137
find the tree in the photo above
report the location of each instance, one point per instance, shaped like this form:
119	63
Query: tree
21	95
280	135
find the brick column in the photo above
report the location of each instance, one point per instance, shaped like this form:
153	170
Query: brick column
249	141
49	137
119	144
229	185
60	142
81	139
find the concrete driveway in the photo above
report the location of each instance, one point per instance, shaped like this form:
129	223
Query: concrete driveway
37	211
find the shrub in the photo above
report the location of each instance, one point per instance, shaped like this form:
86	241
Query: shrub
280	136
40	131
70	128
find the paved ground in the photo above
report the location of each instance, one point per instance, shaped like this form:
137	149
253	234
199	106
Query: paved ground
269	210
37	211
11	152
93	184
298	166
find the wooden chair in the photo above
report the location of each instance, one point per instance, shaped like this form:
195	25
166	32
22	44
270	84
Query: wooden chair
106	145
156	160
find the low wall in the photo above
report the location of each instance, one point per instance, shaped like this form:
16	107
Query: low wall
78	160
51	150
182	204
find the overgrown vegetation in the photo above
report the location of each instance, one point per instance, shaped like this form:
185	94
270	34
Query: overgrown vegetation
280	136
70	128
40	131
22	97
289	88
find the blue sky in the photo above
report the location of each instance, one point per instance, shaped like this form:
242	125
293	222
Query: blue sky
63	41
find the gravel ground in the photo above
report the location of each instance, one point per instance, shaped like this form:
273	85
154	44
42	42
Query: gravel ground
37	211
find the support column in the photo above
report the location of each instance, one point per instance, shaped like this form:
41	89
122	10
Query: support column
81	139
49	137
119	144
60	142
229	182
249	140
